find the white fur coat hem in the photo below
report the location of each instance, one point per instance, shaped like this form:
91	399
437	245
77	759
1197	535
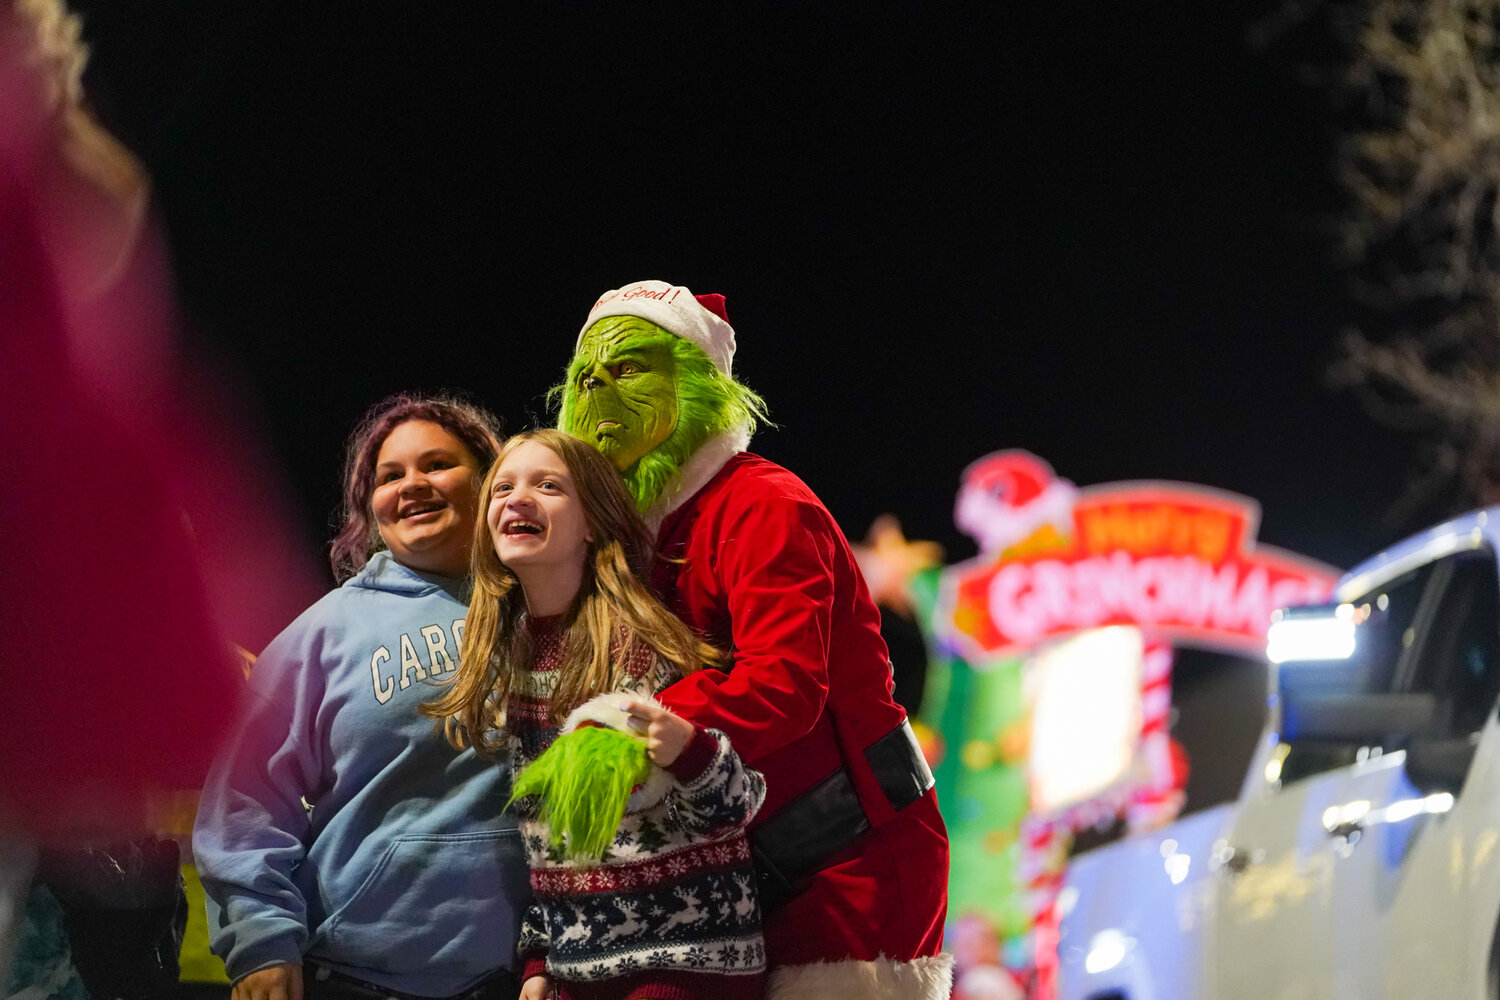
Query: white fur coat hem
883	979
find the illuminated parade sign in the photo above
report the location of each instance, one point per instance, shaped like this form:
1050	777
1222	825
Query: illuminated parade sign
1179	561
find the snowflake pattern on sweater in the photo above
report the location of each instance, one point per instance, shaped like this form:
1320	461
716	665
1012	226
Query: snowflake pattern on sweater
675	892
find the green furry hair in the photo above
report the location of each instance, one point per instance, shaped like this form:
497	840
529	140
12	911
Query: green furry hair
708	403
584	780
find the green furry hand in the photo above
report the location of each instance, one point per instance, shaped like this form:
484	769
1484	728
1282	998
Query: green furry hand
584	781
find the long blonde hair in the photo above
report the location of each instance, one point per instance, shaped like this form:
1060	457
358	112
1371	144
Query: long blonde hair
612	609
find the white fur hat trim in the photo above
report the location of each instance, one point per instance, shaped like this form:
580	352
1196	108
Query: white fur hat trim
675	310
604	709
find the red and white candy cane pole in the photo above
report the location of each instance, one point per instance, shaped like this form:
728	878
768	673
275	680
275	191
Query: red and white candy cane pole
1160	798
1044	853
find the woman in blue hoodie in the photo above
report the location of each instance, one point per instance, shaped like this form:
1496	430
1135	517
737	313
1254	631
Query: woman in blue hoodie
346	849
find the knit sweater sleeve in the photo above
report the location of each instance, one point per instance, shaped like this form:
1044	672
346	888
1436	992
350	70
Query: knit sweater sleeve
534	943
716	792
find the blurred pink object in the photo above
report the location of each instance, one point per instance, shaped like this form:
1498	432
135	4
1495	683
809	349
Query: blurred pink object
146	533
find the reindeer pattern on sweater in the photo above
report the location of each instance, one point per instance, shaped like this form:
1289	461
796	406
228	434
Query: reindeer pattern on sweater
675	892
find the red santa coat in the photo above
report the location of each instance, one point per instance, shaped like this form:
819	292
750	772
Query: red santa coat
755	563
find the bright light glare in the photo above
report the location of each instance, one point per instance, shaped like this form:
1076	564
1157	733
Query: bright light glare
1274	763
1106	951
1404	809
1273	770
1177	867
1324	638
1086	716
1349	812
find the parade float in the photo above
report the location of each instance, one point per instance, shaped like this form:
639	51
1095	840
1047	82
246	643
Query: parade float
1047	705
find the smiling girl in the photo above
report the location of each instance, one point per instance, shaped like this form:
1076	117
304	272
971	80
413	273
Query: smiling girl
346	848
562	635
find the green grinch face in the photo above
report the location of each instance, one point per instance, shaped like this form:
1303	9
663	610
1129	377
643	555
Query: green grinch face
623	387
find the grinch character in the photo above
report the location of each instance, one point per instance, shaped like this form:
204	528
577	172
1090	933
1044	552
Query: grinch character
851	853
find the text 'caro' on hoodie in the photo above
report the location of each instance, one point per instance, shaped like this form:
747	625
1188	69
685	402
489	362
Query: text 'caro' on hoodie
339	823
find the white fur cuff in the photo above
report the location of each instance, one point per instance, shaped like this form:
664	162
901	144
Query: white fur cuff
883	979
604	709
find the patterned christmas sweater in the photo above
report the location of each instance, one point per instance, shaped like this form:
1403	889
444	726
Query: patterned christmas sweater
670	911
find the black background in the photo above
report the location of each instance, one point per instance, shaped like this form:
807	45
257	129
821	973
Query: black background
1092	231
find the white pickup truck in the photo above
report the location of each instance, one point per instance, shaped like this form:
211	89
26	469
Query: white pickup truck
1362	857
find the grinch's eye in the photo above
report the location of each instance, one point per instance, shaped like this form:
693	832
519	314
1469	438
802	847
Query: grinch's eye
626	368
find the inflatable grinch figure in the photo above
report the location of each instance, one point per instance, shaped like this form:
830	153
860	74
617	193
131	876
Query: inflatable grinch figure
851	853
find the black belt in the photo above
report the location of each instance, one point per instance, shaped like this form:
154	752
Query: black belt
324	983
807	833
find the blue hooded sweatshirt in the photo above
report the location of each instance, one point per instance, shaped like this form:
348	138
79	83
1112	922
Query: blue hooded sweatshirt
339	824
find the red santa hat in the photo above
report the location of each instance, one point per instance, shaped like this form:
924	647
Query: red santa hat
700	319
1007	495
1013	477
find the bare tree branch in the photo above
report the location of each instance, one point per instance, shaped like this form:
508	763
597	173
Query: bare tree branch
1421	237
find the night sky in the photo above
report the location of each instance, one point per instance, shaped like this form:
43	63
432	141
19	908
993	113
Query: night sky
1095	231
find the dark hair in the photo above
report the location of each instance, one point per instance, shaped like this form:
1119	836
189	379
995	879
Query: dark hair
358	537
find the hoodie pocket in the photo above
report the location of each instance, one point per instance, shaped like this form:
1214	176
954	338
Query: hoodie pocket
440	904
